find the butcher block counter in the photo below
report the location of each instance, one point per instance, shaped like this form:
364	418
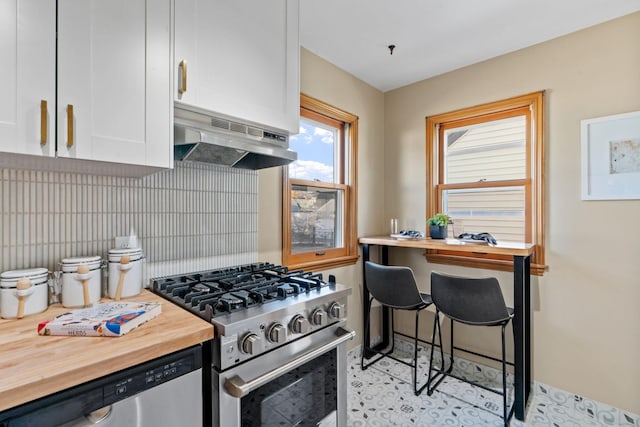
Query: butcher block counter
33	366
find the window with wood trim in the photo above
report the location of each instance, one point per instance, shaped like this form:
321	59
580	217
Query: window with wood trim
320	192
486	172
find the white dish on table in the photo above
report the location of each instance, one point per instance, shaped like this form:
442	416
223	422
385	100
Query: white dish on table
405	237
476	242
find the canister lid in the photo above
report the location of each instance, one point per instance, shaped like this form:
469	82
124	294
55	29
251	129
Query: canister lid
71	264
134	254
9	279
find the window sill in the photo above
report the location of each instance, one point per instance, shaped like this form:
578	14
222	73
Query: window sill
325	264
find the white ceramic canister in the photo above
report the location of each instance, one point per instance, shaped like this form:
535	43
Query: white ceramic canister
73	283
35	297
130	272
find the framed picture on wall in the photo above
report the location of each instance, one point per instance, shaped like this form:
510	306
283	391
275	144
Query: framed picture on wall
610	151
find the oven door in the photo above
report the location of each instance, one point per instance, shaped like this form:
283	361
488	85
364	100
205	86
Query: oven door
300	384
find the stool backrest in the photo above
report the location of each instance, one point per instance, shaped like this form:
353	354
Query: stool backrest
475	301
392	286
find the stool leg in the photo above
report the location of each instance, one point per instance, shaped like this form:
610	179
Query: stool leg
451	355
367	321
441	347
393	330
381	354
415	356
442	371
436	325
504	380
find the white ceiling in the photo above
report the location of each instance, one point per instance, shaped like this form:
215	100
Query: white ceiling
436	36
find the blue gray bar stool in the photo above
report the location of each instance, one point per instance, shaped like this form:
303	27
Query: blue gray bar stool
395	288
472	301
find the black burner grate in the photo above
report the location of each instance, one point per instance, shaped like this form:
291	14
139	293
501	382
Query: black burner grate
210	293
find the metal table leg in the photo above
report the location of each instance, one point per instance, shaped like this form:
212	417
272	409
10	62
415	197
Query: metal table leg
522	333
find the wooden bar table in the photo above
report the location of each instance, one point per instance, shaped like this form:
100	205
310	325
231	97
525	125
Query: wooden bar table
521	253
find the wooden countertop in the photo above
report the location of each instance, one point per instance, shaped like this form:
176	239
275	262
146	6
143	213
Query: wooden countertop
33	366
502	248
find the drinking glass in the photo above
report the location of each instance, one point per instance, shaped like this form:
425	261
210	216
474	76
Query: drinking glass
393	226
457	228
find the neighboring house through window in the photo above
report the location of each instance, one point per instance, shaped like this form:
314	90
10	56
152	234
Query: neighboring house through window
319	203
485	168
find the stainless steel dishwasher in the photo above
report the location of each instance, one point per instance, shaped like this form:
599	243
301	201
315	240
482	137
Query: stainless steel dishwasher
163	392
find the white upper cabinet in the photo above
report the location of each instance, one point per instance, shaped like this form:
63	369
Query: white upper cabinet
27	103
239	58
114	81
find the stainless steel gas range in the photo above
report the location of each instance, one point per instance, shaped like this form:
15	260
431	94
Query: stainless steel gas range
279	353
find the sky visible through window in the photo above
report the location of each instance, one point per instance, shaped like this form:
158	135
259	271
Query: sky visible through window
315	147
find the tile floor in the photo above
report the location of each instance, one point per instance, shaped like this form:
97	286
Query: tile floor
382	395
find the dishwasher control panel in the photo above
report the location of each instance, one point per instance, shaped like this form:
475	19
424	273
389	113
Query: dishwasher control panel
159	373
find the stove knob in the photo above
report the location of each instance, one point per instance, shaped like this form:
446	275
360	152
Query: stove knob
250	344
319	317
277	333
299	325
336	310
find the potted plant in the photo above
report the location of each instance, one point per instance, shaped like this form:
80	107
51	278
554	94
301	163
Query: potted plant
438	225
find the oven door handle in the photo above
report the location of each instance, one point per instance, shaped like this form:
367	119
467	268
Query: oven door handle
237	387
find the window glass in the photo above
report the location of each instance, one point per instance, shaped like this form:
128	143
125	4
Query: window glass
315	145
500	210
489	151
316	218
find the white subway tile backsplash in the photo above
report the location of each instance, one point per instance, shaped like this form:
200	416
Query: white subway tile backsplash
194	217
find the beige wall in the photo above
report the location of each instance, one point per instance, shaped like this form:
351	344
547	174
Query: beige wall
586	334
587	316
324	81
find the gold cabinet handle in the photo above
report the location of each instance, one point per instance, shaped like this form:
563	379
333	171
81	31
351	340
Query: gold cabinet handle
69	125
43	122
183	77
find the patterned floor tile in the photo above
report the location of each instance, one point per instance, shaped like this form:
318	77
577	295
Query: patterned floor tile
382	395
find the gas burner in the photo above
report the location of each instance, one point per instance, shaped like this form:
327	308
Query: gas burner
213	293
288	289
199	287
230	302
244	280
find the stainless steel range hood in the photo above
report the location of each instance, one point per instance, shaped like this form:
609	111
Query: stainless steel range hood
202	136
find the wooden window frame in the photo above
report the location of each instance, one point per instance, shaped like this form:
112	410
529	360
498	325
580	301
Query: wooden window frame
533	183
348	254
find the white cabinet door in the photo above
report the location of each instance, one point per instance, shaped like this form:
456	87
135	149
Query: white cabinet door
114	81
242	59
27	48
